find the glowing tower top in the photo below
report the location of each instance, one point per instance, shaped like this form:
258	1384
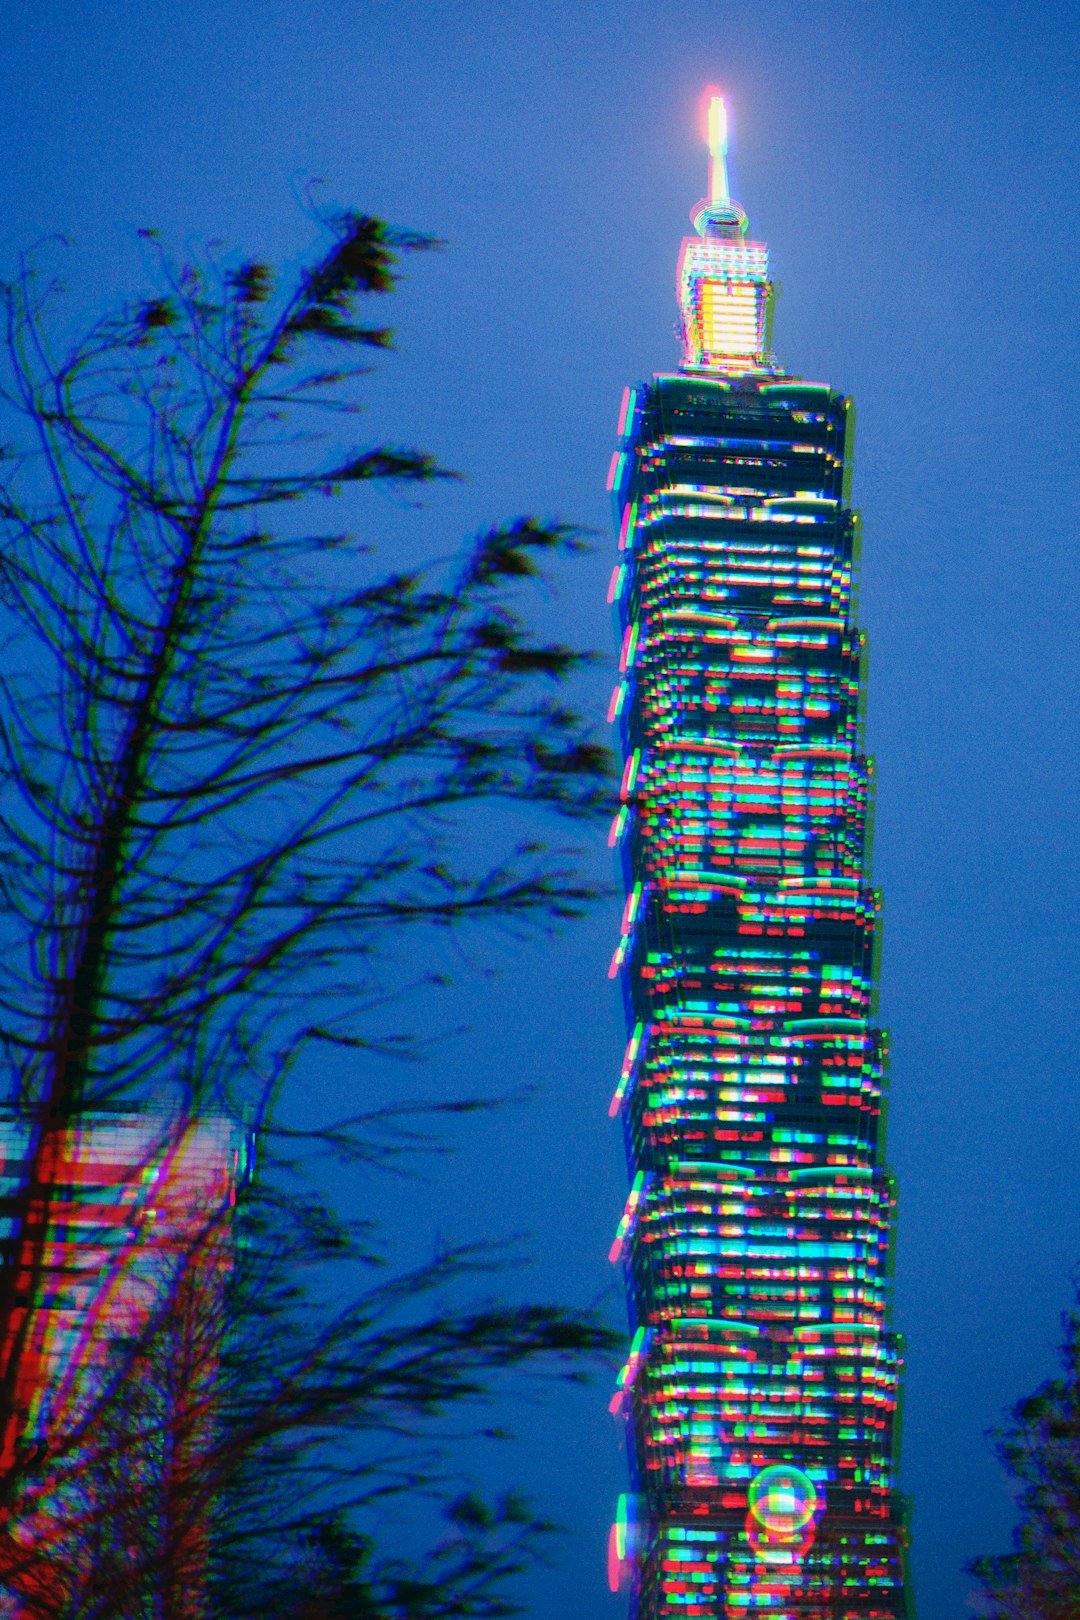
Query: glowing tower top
723	280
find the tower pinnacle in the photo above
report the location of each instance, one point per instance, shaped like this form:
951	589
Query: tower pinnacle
718	179
717	214
723	281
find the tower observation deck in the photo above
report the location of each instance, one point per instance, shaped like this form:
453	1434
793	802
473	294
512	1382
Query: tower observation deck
760	1389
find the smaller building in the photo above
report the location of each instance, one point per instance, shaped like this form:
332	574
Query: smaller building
118	1226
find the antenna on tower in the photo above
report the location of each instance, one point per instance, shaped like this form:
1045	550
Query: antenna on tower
717	138
717	214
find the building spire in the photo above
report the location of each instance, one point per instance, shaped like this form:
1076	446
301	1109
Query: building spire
717	214
718	178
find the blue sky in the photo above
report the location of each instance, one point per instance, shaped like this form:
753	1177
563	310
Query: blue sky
911	166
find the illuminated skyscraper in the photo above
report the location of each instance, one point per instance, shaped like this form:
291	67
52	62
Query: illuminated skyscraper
761	1385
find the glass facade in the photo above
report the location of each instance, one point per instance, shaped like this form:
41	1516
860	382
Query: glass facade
761	1386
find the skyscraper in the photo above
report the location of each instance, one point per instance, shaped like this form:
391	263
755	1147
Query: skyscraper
761	1385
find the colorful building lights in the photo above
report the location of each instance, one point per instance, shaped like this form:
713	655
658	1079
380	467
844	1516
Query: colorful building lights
761	1383
115	1346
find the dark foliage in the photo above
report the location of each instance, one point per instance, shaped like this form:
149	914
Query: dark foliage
1040	1449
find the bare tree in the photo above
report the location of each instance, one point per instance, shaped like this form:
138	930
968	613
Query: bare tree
243	759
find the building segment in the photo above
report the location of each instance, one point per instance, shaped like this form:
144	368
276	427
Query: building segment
760	1390
119	1225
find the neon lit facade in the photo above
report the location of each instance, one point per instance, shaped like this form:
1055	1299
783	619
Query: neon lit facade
761	1386
122	1260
